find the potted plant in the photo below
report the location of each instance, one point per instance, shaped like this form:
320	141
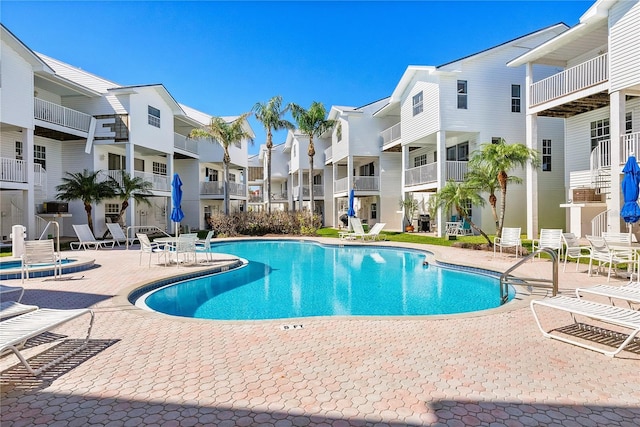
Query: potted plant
410	206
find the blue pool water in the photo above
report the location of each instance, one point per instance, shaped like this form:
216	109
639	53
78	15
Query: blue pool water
288	279
10	265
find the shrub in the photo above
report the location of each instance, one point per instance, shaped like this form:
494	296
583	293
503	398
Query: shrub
261	223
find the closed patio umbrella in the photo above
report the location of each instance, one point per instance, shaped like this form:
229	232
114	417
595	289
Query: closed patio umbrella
351	212
176	194
630	211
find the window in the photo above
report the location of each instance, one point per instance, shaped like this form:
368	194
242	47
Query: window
339	132
420	160
546	155
154	116
18	150
458	152
515	98
599	132
159	168
374	210
435	156
367	170
211	174
462	94
496	140
232	177
111	208
417	103
138	165
466	205
40	156
116	162
317	180
628	123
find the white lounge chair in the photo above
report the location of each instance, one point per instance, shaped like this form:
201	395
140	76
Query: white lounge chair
39	252
550	238
15	331
14	308
148	247
87	239
4	290
618	316
374	232
631	294
358	231
573	249
510	238
118	235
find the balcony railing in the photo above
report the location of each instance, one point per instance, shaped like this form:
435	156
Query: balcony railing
158	182
14	170
216	188
391	134
318	190
328	154
629	143
582	76
426	174
360	183
183	143
59	115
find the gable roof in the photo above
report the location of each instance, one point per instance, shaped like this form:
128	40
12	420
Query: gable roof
23	50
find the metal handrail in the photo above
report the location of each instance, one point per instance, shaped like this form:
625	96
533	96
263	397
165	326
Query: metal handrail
507	279
57	231
147	227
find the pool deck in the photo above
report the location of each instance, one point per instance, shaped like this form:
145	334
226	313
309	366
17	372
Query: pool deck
141	368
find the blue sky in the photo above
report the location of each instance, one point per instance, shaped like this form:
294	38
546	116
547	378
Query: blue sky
223	57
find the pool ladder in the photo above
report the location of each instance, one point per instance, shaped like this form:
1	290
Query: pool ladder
507	278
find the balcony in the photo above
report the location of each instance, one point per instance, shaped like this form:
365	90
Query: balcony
318	190
427	174
181	142
13	170
390	135
158	182
216	188
59	115
360	183
571	80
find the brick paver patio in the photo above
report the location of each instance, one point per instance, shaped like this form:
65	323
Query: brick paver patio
142	368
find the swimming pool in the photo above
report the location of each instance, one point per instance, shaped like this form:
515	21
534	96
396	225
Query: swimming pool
290	279
11	268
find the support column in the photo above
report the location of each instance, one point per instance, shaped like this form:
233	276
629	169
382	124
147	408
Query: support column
441	172
616	122
532	178
169	201
403	181
130	213
29	207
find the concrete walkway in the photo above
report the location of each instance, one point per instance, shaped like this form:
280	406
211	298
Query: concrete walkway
141	368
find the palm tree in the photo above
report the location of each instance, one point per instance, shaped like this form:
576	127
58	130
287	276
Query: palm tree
86	187
484	178
270	115
127	188
502	158
311	122
457	195
226	134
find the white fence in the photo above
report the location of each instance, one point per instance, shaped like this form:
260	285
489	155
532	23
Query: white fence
63	116
391	134
14	170
216	188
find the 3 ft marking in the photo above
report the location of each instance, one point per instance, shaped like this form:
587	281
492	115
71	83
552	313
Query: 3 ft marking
289	327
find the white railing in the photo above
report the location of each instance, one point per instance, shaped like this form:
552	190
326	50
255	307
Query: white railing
629	144
318	190
13	170
158	182
390	134
456	170
599	223
279	196
366	183
328	154
581	179
183	143
341	185
63	116
601	155
426	174
582	76
216	188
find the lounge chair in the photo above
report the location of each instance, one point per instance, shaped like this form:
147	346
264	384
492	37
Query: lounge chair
374	233
148	247
15	331
510	238
618	316
118	235
14	308
572	249
631	294
87	239
38	252
358	231
204	245
550	238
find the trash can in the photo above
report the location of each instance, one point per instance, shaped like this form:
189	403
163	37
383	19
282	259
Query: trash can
424	223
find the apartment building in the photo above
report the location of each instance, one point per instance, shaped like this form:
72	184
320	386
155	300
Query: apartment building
597	93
